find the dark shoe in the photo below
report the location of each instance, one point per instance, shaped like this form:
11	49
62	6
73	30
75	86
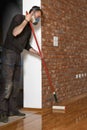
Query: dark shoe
16	113
3	117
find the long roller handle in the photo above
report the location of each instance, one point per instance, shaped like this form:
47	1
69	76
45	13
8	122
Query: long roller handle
44	64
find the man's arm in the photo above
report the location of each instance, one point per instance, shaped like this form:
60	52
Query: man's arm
33	51
18	29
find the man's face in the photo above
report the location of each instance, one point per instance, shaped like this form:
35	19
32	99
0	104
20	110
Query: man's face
37	14
36	17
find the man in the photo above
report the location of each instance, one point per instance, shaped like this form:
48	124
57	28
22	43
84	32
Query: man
17	39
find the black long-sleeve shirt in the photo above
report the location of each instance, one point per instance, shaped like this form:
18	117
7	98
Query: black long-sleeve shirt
21	41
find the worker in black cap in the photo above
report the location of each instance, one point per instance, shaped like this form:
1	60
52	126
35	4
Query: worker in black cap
17	39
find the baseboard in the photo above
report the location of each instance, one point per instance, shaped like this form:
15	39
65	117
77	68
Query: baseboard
38	110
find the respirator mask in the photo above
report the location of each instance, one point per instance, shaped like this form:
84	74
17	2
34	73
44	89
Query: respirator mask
34	20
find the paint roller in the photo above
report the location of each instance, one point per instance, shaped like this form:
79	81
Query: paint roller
43	62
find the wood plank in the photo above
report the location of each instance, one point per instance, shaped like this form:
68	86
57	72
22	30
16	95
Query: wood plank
74	119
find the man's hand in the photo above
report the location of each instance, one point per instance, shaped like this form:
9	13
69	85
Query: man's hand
33	51
28	16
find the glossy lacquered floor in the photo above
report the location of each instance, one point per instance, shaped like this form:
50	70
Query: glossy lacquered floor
74	118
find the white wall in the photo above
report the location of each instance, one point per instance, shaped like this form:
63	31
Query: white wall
32	67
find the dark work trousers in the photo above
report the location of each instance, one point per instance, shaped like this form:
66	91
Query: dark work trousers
11	70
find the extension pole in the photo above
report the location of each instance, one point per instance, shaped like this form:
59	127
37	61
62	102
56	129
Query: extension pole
43	62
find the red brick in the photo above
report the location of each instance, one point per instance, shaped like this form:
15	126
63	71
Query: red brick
66	19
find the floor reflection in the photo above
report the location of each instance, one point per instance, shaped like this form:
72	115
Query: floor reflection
75	118
65	121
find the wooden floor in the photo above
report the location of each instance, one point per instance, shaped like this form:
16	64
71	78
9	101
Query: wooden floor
74	118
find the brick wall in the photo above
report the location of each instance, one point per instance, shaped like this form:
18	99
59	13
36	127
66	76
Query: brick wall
66	19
